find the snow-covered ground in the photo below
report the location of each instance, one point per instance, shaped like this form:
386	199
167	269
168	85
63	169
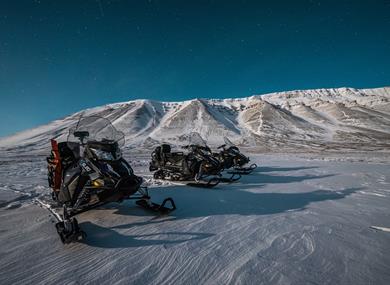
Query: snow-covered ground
298	219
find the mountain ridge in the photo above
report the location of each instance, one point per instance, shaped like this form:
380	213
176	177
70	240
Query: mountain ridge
321	119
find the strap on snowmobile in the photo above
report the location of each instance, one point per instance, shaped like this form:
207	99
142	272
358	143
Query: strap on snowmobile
56	165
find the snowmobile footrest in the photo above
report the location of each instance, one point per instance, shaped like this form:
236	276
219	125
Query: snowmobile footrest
160	208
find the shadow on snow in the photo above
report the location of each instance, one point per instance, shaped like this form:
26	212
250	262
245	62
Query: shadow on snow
271	169
233	199
109	238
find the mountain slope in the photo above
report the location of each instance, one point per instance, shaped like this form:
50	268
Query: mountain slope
321	119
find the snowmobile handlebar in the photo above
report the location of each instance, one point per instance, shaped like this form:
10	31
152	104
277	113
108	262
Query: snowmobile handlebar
194	146
221	146
81	135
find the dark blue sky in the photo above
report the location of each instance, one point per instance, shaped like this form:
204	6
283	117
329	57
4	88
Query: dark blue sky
58	57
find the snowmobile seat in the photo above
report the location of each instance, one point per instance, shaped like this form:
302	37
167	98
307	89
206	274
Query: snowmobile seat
168	156
165	148
174	157
156	154
164	152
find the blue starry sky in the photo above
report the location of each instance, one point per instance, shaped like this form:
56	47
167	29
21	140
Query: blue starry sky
58	57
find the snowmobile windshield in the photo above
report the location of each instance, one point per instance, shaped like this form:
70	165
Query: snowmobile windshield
228	142
195	138
95	129
196	143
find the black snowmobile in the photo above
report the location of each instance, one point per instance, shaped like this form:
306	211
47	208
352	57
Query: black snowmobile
197	167
88	171
231	157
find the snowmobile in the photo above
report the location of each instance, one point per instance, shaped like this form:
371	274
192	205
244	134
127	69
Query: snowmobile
197	167
88	171
231	157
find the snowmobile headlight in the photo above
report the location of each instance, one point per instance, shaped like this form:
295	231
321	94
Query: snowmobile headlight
118	153
103	155
98	183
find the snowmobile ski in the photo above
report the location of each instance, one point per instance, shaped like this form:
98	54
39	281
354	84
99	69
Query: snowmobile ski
243	170
69	231
190	183
205	184
235	177
160	208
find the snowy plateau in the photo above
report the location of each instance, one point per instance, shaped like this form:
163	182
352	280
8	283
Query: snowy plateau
315	211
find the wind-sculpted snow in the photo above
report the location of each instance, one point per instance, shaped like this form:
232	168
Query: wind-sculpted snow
302	120
295	220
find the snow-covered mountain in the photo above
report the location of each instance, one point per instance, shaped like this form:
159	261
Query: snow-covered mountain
343	118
